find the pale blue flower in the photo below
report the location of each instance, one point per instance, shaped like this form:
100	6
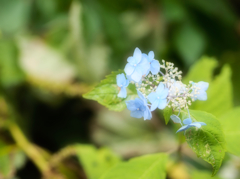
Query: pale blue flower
139	108
175	119
159	98
201	93
154	64
137	65
189	123
122	83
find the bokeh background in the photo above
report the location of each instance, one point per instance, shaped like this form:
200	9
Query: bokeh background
53	51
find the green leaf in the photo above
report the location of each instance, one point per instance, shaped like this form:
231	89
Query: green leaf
219	93
189	42
10	72
207	142
196	71
106	93
95	162
167	112
144	167
231	127
11	159
200	174
14	15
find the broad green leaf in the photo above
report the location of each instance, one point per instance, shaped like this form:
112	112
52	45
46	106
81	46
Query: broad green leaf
144	167
207	142
219	94
231	127
106	93
167	112
95	162
196	71
202	174
189	42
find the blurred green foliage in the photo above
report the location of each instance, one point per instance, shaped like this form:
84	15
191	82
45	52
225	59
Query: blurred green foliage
52	52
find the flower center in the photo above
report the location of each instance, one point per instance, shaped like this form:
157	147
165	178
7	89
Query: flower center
135	65
158	97
138	109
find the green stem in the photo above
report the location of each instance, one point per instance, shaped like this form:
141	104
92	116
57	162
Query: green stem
28	148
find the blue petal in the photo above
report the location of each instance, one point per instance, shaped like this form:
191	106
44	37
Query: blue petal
155	67
202	96
136	114
203	124
147	114
175	118
195	124
140	95
122	93
129	69
137	55
152	96
121	80
187	121
132	60
203	85
139	103
160	88
151	56
183	128
131	105
162	104
154	105
136	75
164	93
144	65
126	83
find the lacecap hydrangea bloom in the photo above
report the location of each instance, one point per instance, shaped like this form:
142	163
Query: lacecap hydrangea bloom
159	86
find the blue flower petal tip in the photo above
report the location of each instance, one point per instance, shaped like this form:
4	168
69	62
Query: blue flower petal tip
189	124
122	83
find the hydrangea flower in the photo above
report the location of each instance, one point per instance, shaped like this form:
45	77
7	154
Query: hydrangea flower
175	119
122	83
139	108
154	64
200	90
189	123
137	65
158	98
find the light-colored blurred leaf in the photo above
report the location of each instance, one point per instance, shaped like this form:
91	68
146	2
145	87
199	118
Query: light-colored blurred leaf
219	93
106	93
231	127
44	63
189	42
95	161
144	167
207	142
